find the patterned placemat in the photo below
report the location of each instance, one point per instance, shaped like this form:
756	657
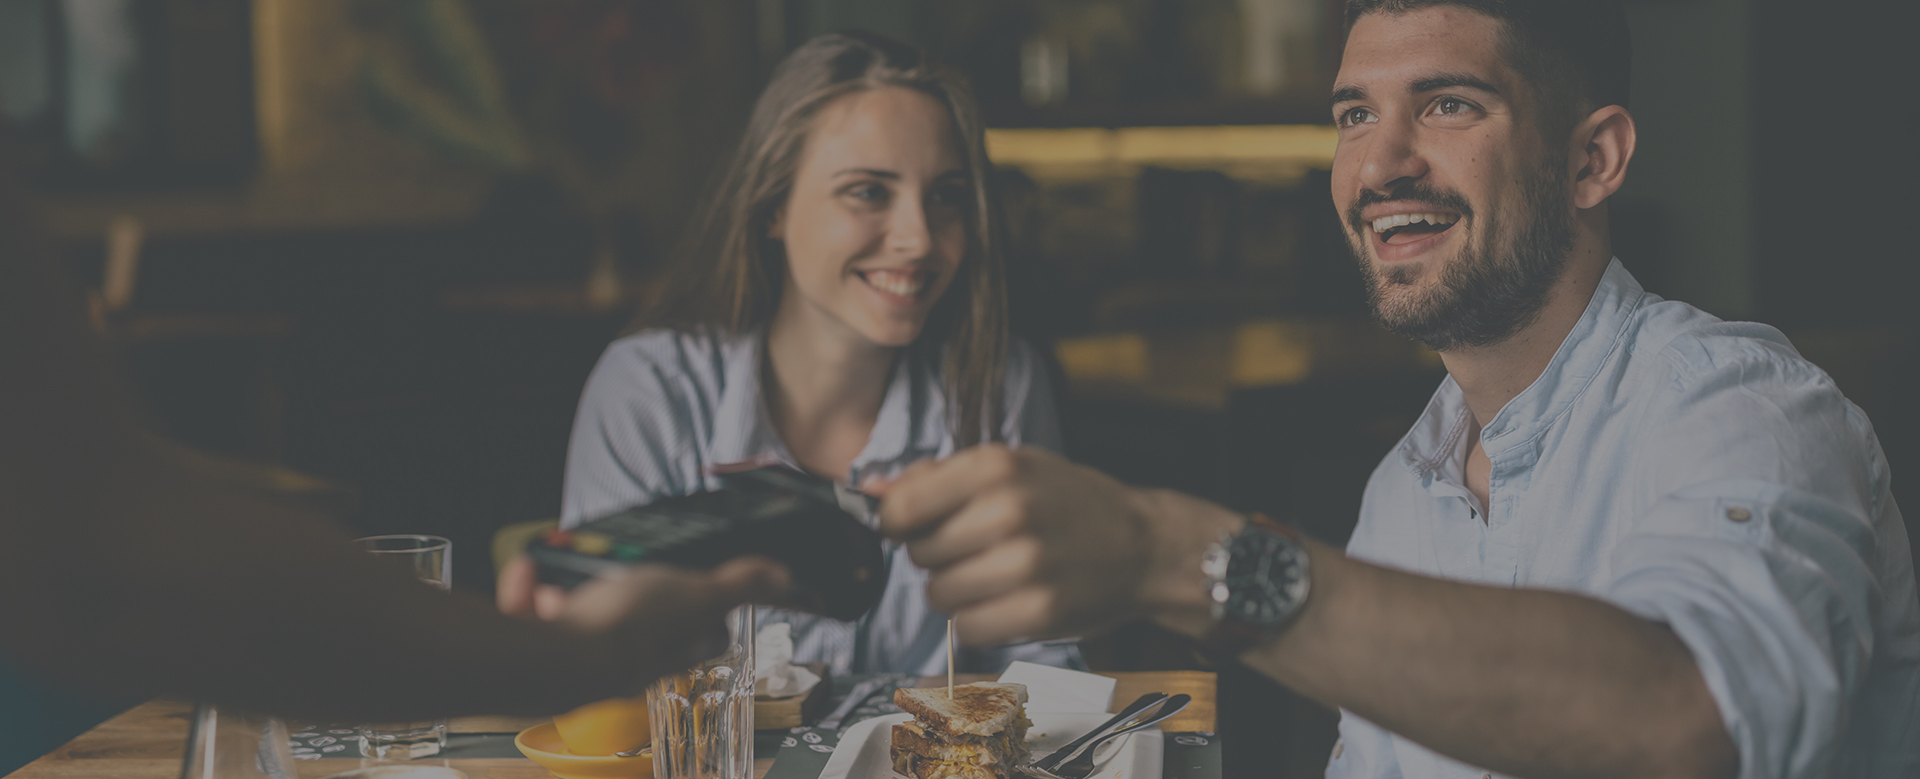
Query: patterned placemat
804	753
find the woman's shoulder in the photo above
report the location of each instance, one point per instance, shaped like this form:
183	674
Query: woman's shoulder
666	362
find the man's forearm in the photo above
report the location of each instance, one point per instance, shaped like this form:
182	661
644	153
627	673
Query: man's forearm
1527	682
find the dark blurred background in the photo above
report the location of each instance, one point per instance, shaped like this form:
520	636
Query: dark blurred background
368	250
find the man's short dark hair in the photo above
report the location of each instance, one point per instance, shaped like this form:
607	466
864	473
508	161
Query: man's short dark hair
1576	53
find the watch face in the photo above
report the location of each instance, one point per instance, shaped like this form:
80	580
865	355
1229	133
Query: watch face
1266	576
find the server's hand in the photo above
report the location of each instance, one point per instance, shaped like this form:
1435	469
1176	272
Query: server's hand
670	618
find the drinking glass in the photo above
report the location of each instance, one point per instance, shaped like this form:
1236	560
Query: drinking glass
702	718
431	559
226	743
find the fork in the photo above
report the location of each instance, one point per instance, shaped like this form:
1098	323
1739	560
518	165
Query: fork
1078	763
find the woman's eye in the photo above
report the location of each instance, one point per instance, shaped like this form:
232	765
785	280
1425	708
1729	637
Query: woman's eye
871	193
949	196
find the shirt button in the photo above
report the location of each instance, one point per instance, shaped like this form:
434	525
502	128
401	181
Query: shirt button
1738	514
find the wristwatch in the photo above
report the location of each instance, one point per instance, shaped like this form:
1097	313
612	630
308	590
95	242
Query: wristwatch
1258	580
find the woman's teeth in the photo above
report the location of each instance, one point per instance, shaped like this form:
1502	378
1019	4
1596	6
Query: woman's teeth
1386	223
896	282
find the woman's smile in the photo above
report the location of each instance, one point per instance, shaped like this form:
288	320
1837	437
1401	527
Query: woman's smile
905	285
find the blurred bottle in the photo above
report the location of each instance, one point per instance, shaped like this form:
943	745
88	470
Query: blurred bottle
1280	50
1043	71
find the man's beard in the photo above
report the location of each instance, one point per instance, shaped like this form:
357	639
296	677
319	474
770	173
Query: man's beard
1496	285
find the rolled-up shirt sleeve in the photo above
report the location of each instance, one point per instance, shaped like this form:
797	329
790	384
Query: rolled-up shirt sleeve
1770	590
1761	556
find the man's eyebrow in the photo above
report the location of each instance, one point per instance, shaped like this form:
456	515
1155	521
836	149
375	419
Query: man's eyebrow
1344	94
1449	80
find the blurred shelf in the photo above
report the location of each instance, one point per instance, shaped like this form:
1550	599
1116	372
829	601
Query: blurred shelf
1220	146
1290	109
565	300
1201	368
136	327
278	203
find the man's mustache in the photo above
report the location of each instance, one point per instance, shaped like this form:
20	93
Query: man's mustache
1413	192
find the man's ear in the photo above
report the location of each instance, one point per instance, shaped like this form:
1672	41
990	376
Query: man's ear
1602	147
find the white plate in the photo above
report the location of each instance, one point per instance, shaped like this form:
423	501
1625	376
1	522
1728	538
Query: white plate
862	753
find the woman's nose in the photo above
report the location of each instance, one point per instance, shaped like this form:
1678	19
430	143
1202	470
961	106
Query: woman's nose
907	228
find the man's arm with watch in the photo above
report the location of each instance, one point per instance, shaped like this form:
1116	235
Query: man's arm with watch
1023	544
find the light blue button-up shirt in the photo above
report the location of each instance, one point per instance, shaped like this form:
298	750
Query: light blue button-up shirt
662	407
1697	473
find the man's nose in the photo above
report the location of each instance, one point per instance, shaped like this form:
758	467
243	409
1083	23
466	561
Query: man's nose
1392	156
907	232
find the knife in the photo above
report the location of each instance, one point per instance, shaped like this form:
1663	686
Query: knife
1149	699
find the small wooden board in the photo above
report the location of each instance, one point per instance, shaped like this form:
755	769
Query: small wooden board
792	712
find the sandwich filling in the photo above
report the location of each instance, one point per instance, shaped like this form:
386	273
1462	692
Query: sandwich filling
980	733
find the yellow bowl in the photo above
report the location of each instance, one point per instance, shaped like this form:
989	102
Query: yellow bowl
541	744
604	727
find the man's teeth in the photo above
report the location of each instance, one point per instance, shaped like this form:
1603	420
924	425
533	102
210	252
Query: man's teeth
904	284
1386	223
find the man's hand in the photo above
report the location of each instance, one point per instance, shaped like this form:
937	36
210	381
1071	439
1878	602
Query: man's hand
668	618
1022	544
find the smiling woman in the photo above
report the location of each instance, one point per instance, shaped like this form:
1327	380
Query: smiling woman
840	309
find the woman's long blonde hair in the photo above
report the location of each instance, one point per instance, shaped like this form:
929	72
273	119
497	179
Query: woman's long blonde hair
729	273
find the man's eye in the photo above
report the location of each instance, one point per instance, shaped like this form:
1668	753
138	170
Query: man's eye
1353	116
1451	106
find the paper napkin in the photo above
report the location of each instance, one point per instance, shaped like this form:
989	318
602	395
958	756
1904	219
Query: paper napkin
1052	689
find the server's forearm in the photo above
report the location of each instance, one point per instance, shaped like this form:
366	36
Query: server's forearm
122	570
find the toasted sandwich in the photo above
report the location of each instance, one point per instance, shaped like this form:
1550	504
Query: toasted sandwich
978	733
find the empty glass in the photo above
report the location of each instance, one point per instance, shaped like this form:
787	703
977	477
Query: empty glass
430	558
234	744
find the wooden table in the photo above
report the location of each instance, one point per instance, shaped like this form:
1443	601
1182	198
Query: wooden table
149	740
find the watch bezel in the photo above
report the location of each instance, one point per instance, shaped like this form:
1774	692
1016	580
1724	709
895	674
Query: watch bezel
1278	598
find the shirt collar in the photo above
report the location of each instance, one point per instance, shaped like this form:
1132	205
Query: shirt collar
911	423
1581	356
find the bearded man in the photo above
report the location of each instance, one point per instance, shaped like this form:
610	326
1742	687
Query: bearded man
1626	539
